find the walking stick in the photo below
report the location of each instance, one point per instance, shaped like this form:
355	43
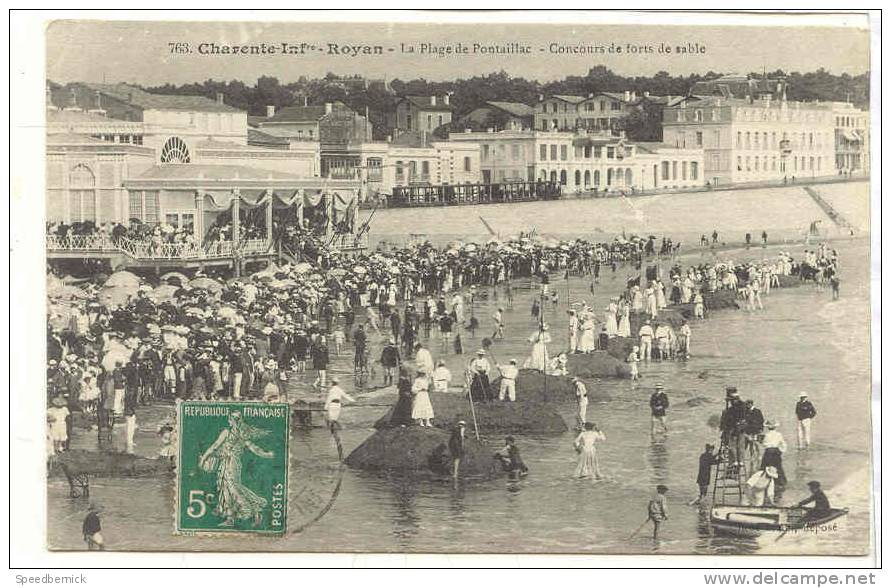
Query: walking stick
638	530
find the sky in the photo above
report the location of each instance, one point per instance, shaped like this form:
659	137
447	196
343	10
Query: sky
145	52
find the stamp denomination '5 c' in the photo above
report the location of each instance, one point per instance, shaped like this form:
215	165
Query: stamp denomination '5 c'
233	467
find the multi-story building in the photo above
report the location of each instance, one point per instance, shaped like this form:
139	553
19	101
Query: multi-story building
595	112
754	140
334	127
423	113
411	159
498	116
171	159
741	86
851	138
584	161
171	124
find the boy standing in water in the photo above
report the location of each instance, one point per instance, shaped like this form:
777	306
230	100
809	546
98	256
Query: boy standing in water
657	509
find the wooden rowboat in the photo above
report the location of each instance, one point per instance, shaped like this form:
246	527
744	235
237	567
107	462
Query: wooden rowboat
752	521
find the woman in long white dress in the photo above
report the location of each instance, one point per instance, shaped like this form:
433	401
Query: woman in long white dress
538	360
652	307
636	299
659	287
421	408
624	319
588	341
588	465
609	317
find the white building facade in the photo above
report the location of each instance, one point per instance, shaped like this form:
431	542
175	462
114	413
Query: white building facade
585	161
755	140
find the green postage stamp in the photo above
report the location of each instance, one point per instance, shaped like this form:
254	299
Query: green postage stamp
233	467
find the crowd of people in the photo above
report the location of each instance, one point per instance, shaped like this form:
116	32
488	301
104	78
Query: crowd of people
115	345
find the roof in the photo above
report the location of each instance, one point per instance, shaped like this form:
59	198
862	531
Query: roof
260	137
210	144
148	101
297	114
736	86
197	171
613	95
56	116
513	108
664	101
567	98
423	103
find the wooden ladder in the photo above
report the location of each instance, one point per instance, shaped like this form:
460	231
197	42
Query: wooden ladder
730	478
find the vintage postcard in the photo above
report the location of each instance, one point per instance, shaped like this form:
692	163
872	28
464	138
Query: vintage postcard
477	285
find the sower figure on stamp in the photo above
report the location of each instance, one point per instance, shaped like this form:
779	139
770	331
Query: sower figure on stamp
235	501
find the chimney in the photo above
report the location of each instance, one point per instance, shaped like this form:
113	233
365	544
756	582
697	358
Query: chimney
270	110
329	107
433	101
220	98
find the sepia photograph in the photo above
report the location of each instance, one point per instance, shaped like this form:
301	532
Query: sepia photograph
482	287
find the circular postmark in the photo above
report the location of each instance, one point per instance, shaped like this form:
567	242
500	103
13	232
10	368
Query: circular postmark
317	476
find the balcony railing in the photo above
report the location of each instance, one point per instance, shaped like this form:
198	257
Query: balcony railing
146	250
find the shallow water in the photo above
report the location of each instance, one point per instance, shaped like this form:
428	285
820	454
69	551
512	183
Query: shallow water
801	341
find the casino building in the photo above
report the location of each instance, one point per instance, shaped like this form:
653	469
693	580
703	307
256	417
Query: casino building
118	154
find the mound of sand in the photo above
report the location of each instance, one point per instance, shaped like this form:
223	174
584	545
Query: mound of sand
422	451
110	464
528	415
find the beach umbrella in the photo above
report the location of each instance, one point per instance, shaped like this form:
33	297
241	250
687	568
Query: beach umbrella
53	282
122	278
115	351
116	295
282	284
302	268
57	315
175	278
61	291
164	293
207	284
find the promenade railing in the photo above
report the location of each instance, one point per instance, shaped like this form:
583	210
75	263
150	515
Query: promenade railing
154	251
